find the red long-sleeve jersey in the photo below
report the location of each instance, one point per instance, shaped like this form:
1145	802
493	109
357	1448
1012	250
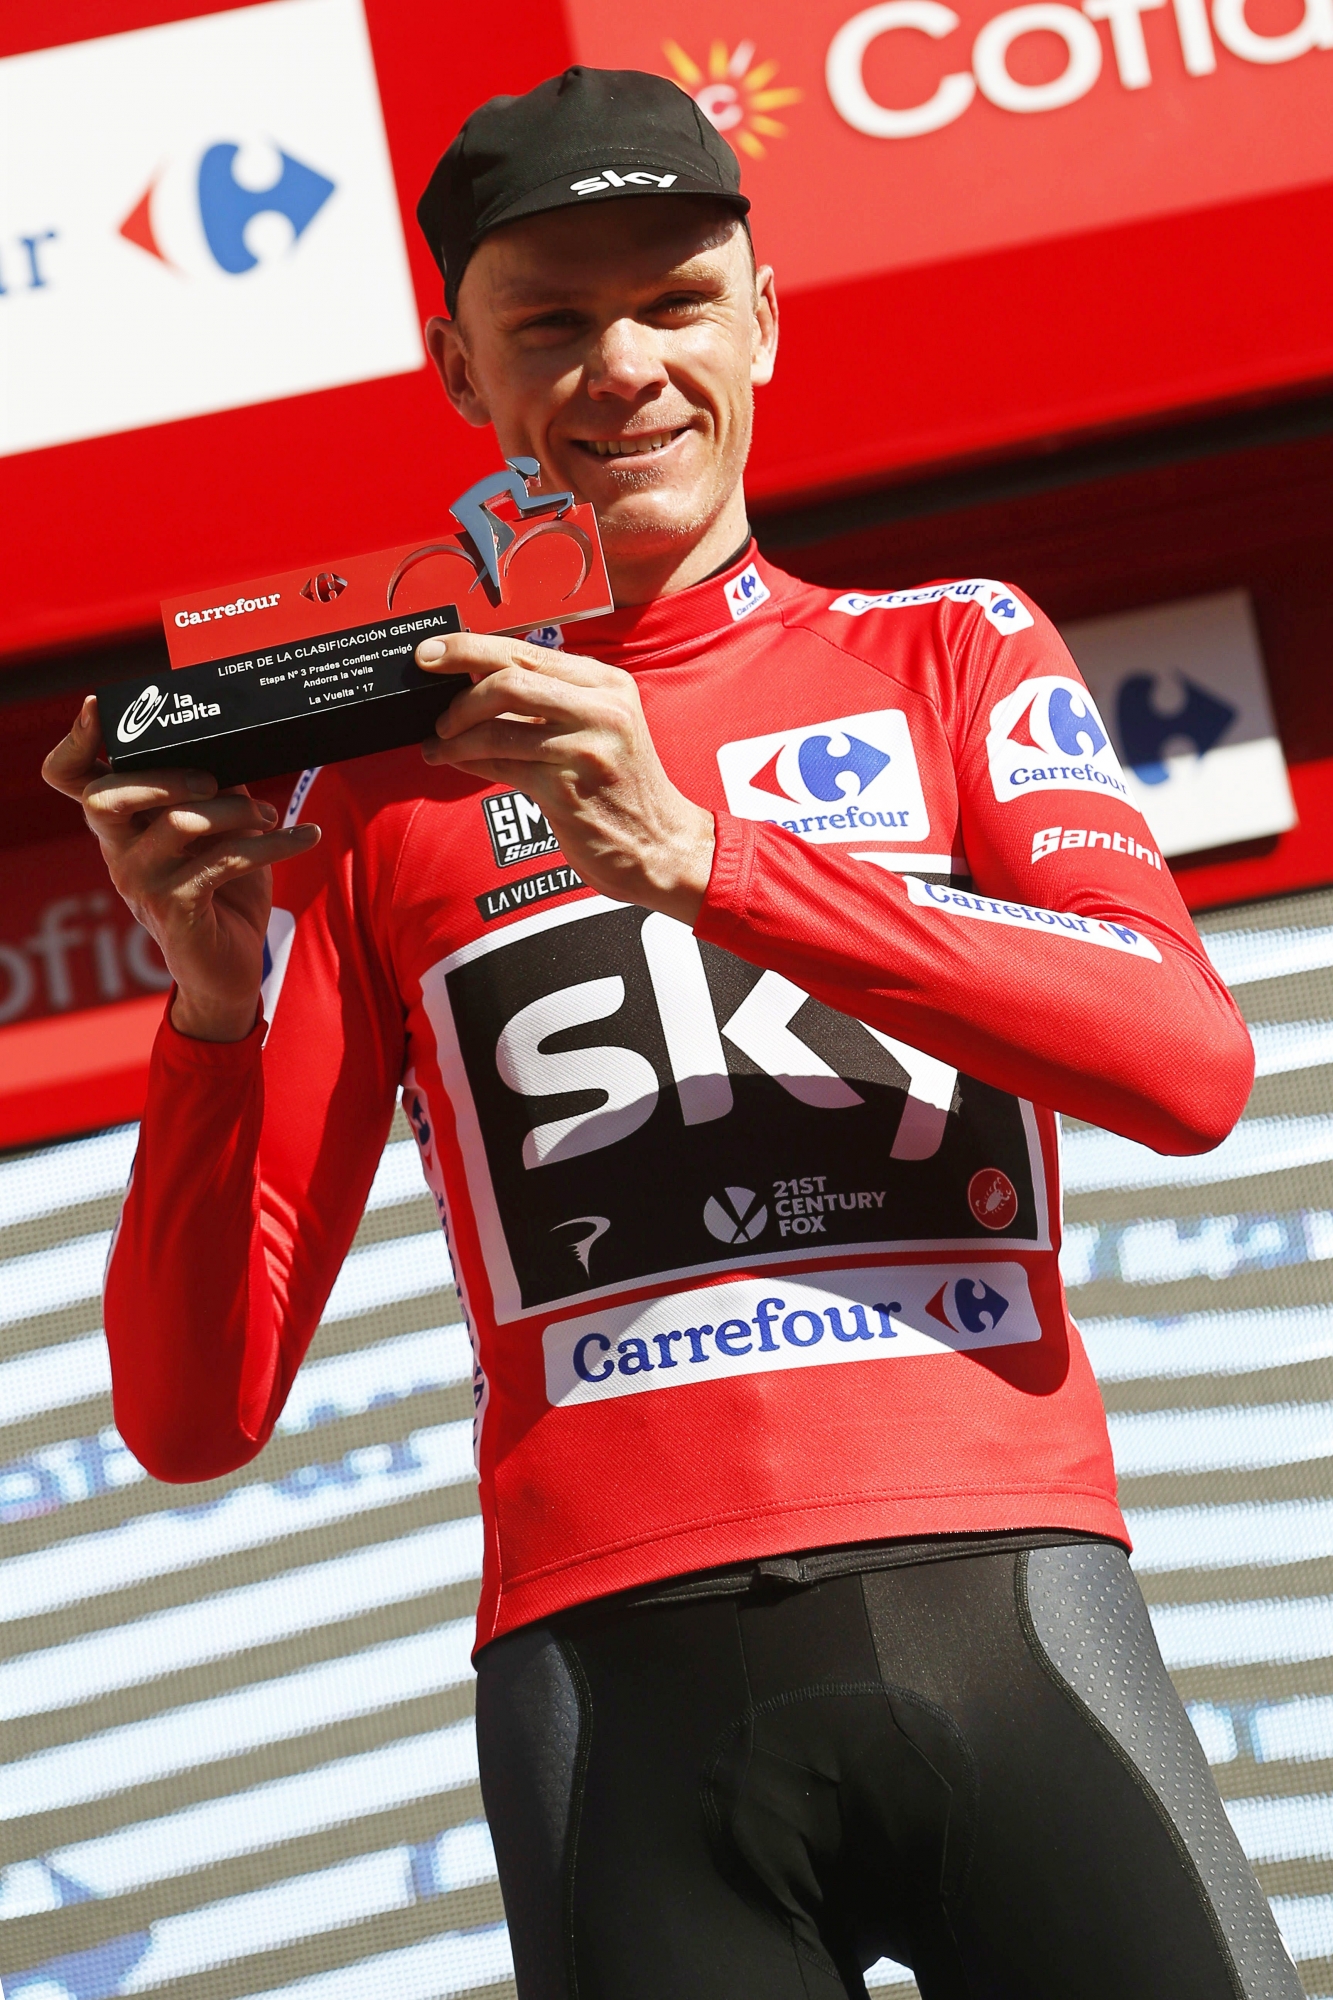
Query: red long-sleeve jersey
755	1225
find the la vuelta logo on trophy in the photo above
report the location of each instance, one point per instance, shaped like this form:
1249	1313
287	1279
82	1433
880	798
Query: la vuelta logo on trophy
506	582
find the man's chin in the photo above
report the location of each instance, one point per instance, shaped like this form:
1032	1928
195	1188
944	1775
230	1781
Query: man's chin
634	524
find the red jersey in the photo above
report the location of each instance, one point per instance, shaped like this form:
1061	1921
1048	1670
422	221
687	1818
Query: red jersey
756	1225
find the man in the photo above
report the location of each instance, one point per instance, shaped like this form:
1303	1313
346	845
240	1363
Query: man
807	1633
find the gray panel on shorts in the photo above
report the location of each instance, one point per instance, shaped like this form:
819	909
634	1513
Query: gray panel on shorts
1088	1614
528	1728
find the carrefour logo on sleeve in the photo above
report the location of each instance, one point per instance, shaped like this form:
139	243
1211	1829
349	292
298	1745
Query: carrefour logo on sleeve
759	1326
996	603
850	779
1048	737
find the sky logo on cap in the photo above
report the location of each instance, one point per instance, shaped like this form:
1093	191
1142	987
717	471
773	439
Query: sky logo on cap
211	199
605	179
853	778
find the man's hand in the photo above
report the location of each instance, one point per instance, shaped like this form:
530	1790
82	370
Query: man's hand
571	733
193	864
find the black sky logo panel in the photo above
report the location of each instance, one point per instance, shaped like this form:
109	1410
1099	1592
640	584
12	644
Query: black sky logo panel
635	1106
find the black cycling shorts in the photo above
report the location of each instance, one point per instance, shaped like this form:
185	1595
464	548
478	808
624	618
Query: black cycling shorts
976	1766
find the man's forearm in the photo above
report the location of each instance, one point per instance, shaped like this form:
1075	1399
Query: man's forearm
1145	1041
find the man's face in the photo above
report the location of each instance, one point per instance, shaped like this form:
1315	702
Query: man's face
619	345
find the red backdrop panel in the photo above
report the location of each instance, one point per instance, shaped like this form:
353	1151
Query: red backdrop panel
1132	272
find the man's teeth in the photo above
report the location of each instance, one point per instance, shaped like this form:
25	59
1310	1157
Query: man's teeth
628	447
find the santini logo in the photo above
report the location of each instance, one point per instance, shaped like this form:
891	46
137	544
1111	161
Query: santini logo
1054	839
600	182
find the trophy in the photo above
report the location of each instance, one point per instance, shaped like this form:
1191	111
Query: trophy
313	666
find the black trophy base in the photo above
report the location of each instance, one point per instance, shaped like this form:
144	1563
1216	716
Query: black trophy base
259	715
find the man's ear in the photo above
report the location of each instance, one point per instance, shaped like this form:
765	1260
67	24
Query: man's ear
448	350
764	341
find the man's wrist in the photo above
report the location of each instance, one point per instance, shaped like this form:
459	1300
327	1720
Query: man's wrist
206	1019
683	897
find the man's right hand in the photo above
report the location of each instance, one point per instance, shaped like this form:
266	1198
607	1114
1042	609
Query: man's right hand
194	865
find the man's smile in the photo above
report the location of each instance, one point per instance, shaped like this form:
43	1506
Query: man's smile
634	445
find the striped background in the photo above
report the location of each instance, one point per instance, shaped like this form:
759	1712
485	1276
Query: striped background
236	1754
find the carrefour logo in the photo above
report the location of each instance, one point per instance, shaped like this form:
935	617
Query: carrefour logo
208	206
1048	737
207	188
853	778
967	1306
764	1326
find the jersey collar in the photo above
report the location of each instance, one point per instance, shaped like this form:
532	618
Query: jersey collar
671	628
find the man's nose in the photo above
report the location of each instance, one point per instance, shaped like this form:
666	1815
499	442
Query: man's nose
625	361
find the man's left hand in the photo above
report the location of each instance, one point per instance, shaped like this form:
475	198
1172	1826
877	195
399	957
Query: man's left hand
571	733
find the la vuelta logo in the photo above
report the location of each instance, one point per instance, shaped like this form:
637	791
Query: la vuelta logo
989	71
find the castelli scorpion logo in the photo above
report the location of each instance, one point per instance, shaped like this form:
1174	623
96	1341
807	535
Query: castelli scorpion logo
488	543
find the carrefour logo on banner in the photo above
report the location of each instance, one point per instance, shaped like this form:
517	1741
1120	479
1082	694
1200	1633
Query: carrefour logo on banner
1048	737
853	778
215	195
1185	696
208	209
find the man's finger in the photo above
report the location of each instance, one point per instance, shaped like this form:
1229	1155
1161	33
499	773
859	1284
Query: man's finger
205	873
113	797
518	691
265	850
171	832
74	760
524	742
482	653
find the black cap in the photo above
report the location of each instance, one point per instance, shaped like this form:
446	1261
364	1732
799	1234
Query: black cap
588	135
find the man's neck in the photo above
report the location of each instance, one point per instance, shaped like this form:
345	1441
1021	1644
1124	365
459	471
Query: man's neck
667	571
